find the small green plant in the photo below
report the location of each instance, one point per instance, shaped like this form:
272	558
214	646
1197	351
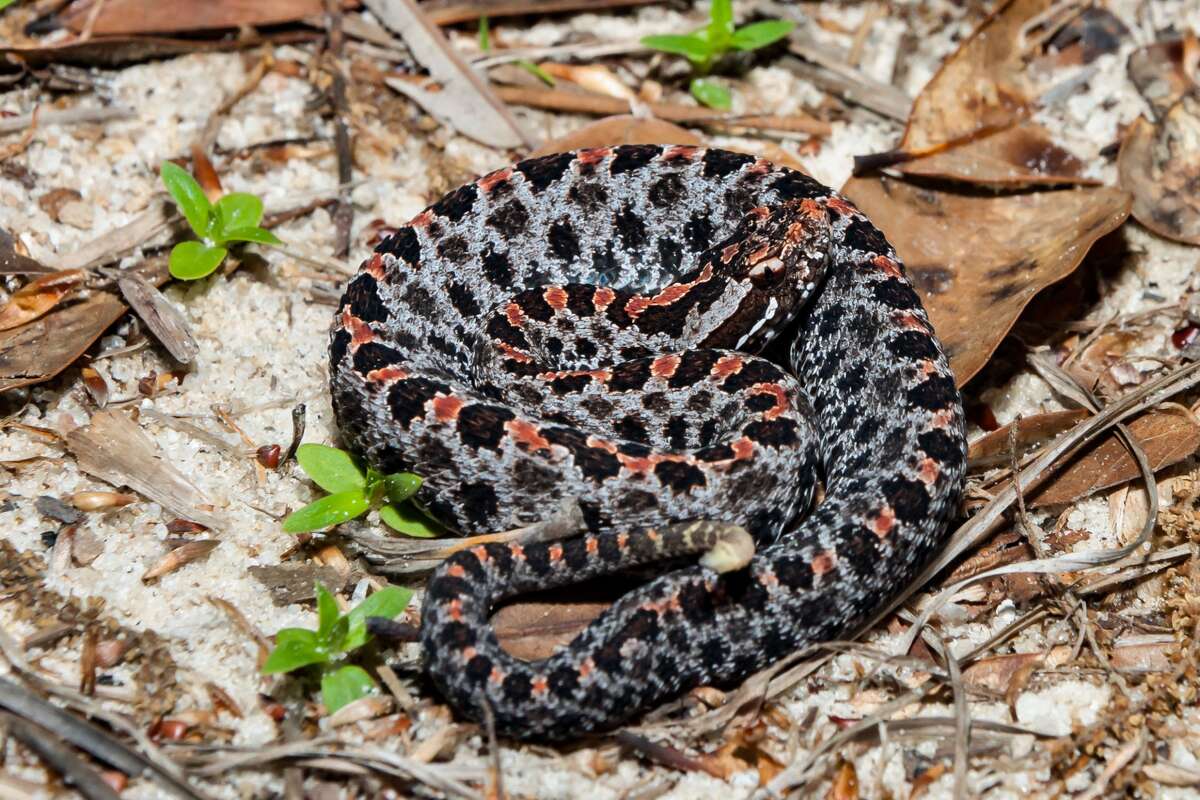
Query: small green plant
485	44
337	635
353	489
704	47
233	218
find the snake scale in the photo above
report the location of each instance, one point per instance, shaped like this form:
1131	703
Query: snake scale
586	325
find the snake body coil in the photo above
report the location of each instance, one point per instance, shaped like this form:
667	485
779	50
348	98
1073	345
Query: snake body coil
584	326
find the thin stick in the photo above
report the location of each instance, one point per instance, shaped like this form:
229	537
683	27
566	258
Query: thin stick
602	105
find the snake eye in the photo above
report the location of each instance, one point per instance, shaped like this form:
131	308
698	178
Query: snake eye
767	271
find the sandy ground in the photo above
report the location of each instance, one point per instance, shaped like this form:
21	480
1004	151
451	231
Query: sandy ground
262	349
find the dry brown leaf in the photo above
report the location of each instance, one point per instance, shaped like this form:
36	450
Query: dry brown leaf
113	448
206	174
741	752
1160	165
620	129
533	630
977	260
179	557
1166	437
984	86
1145	657
1162	71
166	16
996	673
294	582
993	448
924	780
845	783
52	202
37	352
970	121
1023	155
37	297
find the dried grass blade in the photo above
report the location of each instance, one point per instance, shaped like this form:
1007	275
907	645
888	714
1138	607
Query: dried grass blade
466	101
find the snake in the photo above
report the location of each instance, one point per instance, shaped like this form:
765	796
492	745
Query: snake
702	350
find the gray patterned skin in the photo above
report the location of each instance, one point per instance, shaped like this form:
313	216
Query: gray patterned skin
582	325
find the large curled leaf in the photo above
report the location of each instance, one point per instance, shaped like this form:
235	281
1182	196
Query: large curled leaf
977	260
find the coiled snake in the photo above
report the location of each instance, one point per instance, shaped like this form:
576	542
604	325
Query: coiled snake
584	326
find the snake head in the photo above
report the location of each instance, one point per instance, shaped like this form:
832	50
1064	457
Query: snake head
780	246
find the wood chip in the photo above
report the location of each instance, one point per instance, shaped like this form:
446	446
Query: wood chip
113	448
164	320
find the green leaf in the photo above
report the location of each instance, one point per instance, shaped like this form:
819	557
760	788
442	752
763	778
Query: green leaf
6	3
258	235
387	602
345	685
761	34
711	94
401	486
294	648
408	519
691	47
720	24
331	510
485	40
237	210
191	261
332	469
188	195
537	72
327	612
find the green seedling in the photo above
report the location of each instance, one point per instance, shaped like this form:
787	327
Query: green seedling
703	48
337	635
485	45
233	218
353	489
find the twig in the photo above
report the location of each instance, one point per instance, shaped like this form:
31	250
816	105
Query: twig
448	12
343	215
66	116
602	105
50	749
